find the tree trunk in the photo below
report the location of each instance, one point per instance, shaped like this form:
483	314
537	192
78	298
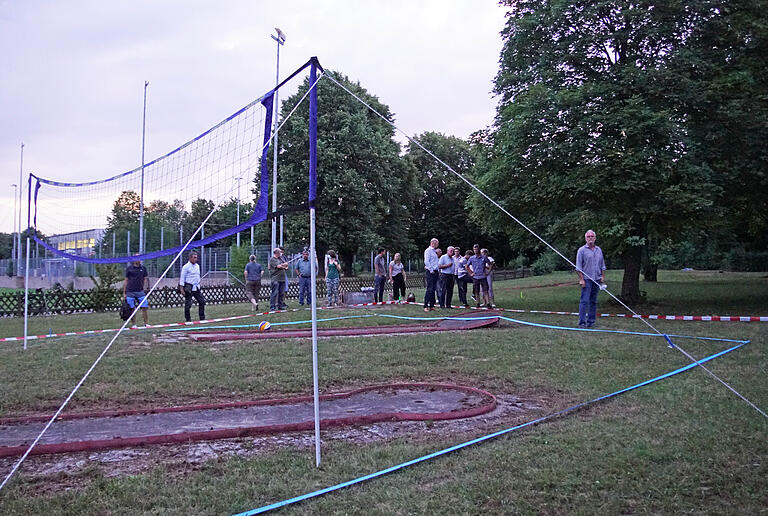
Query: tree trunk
630	285
347	259
651	272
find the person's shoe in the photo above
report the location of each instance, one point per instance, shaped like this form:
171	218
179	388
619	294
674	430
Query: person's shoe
478	305
488	305
426	309
582	325
473	297
590	325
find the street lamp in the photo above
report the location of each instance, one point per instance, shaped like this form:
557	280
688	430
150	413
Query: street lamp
238	209
280	40
13	237
21	189
141	197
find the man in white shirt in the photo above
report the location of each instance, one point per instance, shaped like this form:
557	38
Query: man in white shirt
430	274
189	286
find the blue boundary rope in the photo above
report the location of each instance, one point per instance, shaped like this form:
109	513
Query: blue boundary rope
518	321
383	472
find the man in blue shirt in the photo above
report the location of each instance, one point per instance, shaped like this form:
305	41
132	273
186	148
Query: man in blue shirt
590	266
430	274
478	267
304	273
253	273
379	276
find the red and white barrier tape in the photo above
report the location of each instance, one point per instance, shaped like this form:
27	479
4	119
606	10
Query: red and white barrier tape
723	318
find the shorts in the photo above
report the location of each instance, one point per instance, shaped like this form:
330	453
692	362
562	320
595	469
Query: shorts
132	297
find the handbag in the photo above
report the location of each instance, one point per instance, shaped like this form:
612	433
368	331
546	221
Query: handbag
125	310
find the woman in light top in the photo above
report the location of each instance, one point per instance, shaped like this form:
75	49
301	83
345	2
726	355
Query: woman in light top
397	277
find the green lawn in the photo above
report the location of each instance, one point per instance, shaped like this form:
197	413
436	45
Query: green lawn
683	445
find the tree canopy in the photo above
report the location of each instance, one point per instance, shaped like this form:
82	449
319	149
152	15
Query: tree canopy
591	131
363	191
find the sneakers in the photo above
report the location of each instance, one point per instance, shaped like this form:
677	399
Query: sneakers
473	297
426	309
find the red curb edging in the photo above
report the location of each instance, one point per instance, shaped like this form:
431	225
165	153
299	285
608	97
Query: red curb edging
77	446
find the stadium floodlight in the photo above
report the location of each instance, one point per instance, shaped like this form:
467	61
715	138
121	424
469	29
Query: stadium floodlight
18	235
280	39
238	179
13	237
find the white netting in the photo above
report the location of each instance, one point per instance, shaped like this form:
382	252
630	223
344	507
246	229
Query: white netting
206	168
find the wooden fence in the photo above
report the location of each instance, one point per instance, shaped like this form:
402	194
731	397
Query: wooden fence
59	301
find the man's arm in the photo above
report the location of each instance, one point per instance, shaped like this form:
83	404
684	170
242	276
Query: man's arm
579	266
182	278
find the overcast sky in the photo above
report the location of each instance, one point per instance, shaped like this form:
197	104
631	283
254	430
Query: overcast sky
72	72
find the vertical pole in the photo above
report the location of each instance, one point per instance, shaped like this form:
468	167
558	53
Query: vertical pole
181	242
162	234
141	200
251	239
13	236
128	243
202	250
238	209
114	235
313	251
279	39
18	235
26	271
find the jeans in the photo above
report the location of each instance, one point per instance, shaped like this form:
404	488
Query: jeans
446	290
462	283
588	303
277	297
429	296
188	304
304	290
378	288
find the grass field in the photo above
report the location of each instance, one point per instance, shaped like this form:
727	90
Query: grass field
682	445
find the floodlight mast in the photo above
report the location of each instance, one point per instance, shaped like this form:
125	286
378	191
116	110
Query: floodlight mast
18	235
280	40
13	237
141	198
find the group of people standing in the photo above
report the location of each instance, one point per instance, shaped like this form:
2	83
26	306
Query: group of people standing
444	271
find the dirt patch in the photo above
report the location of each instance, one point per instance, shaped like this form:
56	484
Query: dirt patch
74	471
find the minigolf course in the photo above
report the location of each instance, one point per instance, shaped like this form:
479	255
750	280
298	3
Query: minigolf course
117	429
466	321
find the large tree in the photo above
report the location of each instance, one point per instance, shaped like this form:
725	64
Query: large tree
724	92
439	207
586	134
364	187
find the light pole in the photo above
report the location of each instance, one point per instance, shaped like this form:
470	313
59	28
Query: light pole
238	209
280	39
141	199
18	235
16	189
